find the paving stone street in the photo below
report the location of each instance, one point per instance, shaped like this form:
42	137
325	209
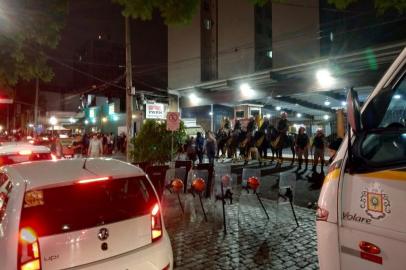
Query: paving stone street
252	241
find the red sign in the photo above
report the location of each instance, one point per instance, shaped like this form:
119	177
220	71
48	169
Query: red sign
172	121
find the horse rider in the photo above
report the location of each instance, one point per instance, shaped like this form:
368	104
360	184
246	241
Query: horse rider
234	140
251	138
222	136
263	141
283	127
302	148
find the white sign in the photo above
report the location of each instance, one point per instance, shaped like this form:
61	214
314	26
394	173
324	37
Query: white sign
6	101
155	111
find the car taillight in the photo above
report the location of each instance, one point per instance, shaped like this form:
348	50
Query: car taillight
321	214
156	224
28	250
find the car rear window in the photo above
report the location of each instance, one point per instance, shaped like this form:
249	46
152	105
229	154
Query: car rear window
13	159
79	206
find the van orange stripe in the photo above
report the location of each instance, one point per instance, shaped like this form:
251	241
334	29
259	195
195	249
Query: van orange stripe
333	175
387	175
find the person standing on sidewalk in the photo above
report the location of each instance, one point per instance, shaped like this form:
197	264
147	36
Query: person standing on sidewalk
95	147
319	147
302	148
200	146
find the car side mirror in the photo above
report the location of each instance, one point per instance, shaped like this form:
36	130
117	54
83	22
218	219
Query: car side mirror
354	111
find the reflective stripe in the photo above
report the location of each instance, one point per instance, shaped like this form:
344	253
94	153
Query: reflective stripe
387	175
333	175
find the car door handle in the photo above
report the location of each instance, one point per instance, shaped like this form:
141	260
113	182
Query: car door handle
369	247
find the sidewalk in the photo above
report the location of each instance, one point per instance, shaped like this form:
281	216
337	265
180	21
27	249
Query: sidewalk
252	241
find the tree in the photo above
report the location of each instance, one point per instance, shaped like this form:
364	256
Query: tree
381	5
28	29
153	143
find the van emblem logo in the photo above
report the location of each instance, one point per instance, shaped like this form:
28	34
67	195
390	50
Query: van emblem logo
103	234
375	202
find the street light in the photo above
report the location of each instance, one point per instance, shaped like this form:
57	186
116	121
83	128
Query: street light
53	121
278	108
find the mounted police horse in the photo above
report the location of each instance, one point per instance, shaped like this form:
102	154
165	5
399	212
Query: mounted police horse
279	142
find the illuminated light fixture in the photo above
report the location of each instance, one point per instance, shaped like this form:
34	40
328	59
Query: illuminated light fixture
210	113
31	125
268	115
194	99
25	152
94	120
72	120
278	108
270	54
1	128
133	116
324	78
327	103
343	103
91	180
86	122
53	121
115	117
326	117
298	115
279	96
397	96
104	119
246	90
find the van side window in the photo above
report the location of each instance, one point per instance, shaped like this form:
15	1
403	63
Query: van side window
388	145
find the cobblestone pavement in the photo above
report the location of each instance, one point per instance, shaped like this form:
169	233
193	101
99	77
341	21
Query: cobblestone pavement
252	241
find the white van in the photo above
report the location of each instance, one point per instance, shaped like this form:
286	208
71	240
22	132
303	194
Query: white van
361	216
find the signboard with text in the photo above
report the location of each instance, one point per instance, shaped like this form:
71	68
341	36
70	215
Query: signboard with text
172	121
155	111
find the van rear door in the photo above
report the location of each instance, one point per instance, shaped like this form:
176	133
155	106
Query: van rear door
86	222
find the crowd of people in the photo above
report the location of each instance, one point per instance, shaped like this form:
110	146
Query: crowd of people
98	144
255	140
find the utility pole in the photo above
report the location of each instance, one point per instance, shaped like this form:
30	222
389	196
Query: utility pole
36	106
128	85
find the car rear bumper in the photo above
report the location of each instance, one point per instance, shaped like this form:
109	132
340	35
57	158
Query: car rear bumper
155	256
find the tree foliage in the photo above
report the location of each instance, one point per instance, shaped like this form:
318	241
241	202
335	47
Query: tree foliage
381	5
153	143
172	11
27	30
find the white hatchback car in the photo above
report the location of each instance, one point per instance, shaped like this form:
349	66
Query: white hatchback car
80	214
